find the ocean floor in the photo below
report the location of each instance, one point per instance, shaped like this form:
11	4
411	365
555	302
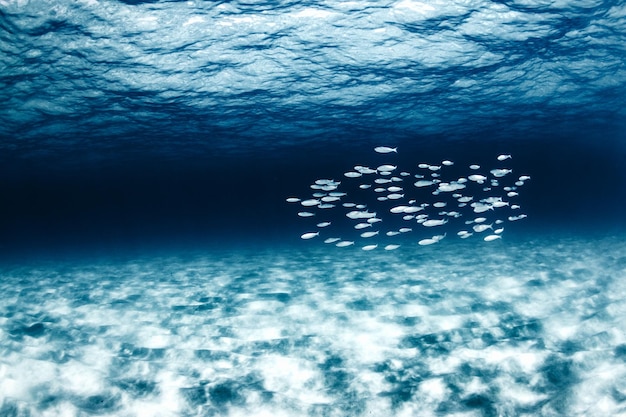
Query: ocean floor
506	328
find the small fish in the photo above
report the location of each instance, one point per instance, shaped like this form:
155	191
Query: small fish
352	174
336	194
362	226
519	183
392	247
433	223
408	217
426	242
405	174
310	235
465	199
382	198
374	220
386	168
497	204
512	194
382	181
480	219
326	206
499	231
405	230
447	163
309	203
491	238
392	233
412	209
440	204
395	196
499	221
330	199
348	205
524	178
479	228
514	218
434	167
369	234
306	214
423	183
463	232
515	207
379	190
394	189
323	224
332	240
423	166
293	200
398	209
465	236
474	167
344	243
385	149
369	247
504	157
364	186
499	173
477	178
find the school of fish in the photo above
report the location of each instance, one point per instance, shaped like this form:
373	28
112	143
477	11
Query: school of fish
391	203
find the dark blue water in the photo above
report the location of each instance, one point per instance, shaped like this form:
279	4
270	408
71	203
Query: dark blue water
150	262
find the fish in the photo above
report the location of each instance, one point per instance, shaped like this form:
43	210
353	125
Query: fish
426	242
514	218
498	204
405	230
423	166
395	196
309	235
348	205
499	231
512	194
379	190
408	217
310	203
477	178
369	247
382	198
439	204
465	199
434	167
344	243
332	240
364	186
392	247
337	194
503	157
423	183
392	233
362	225
480	219
374	220
479	228
382	181
524	178
447	163
466	235
369	234
293	200
385	149
474	167
326	206
398	209
306	214
394	189
323	224
433	223
330	199
412	209
490	238
352	174
356	214
499	173
386	168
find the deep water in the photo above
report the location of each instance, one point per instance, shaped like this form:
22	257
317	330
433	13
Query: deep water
150	264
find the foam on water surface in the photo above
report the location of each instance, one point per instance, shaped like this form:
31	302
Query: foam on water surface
529	327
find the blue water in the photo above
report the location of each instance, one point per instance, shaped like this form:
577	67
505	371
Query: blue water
150	265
